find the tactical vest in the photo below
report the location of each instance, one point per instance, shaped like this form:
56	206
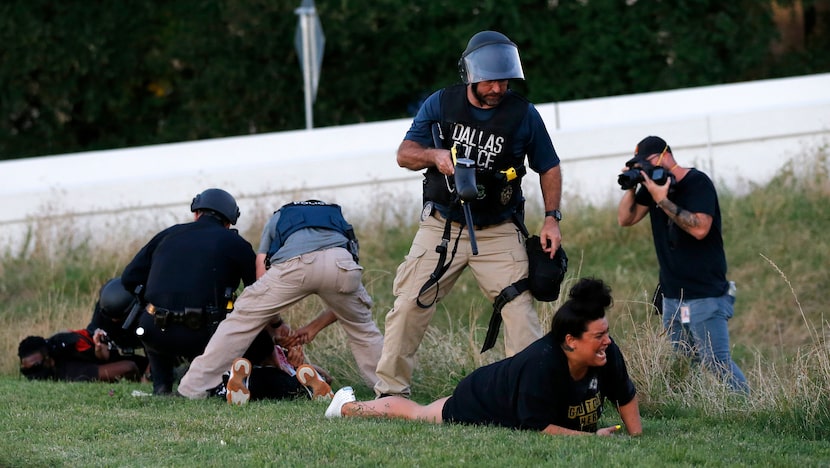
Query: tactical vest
311	214
488	143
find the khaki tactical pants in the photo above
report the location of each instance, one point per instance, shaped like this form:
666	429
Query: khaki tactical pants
330	274
501	260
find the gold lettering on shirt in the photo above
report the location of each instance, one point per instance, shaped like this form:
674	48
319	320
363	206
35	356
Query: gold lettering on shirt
586	412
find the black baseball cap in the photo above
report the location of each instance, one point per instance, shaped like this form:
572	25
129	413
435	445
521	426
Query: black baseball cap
648	146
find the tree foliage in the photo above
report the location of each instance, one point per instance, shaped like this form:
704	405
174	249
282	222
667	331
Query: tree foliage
78	75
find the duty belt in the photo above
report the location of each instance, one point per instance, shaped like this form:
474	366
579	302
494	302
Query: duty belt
478	227
191	317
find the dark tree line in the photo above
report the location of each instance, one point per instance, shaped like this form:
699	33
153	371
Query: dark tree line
80	75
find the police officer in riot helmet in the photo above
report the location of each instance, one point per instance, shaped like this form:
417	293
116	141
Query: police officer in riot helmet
113	306
185	278
493	129
489	56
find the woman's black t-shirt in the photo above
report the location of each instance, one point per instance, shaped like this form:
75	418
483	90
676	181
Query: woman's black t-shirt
534	389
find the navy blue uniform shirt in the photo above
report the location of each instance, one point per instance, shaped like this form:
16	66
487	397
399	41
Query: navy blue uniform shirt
191	265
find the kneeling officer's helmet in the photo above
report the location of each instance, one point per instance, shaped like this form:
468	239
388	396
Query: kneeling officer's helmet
218	201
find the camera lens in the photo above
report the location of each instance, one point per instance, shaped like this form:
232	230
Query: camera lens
629	179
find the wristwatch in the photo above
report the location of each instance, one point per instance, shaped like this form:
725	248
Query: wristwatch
557	215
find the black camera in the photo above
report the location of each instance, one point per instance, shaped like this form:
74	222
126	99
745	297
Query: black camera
630	178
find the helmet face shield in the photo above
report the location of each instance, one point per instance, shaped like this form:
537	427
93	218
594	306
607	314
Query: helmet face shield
492	62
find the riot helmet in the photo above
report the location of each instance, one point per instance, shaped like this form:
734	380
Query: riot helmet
490	56
114	301
217	201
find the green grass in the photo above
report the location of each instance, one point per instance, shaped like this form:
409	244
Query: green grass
62	424
778	253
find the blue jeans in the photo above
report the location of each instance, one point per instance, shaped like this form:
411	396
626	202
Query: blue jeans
705	336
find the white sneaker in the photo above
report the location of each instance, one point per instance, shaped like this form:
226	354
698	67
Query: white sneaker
343	396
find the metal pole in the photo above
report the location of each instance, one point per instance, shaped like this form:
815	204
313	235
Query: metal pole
307	64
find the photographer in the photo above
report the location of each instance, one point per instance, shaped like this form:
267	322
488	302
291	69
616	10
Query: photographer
686	227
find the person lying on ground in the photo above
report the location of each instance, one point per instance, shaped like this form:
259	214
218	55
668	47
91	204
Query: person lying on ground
557	385
76	356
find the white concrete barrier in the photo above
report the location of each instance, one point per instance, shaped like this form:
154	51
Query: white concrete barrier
738	133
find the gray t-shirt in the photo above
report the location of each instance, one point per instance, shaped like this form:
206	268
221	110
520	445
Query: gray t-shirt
302	241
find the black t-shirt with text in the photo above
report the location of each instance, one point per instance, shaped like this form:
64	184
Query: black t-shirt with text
689	267
534	389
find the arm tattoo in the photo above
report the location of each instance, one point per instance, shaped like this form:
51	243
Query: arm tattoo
684	218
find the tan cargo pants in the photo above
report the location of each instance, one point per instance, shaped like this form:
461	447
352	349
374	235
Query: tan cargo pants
330	274
502	260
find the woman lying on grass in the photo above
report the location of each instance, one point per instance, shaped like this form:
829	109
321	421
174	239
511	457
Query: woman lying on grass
557	385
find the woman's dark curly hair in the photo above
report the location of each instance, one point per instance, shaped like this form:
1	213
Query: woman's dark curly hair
587	301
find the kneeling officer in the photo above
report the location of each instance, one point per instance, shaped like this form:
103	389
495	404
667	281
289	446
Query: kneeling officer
189	273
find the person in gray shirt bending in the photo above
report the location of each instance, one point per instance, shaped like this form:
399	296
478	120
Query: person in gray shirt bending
306	248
